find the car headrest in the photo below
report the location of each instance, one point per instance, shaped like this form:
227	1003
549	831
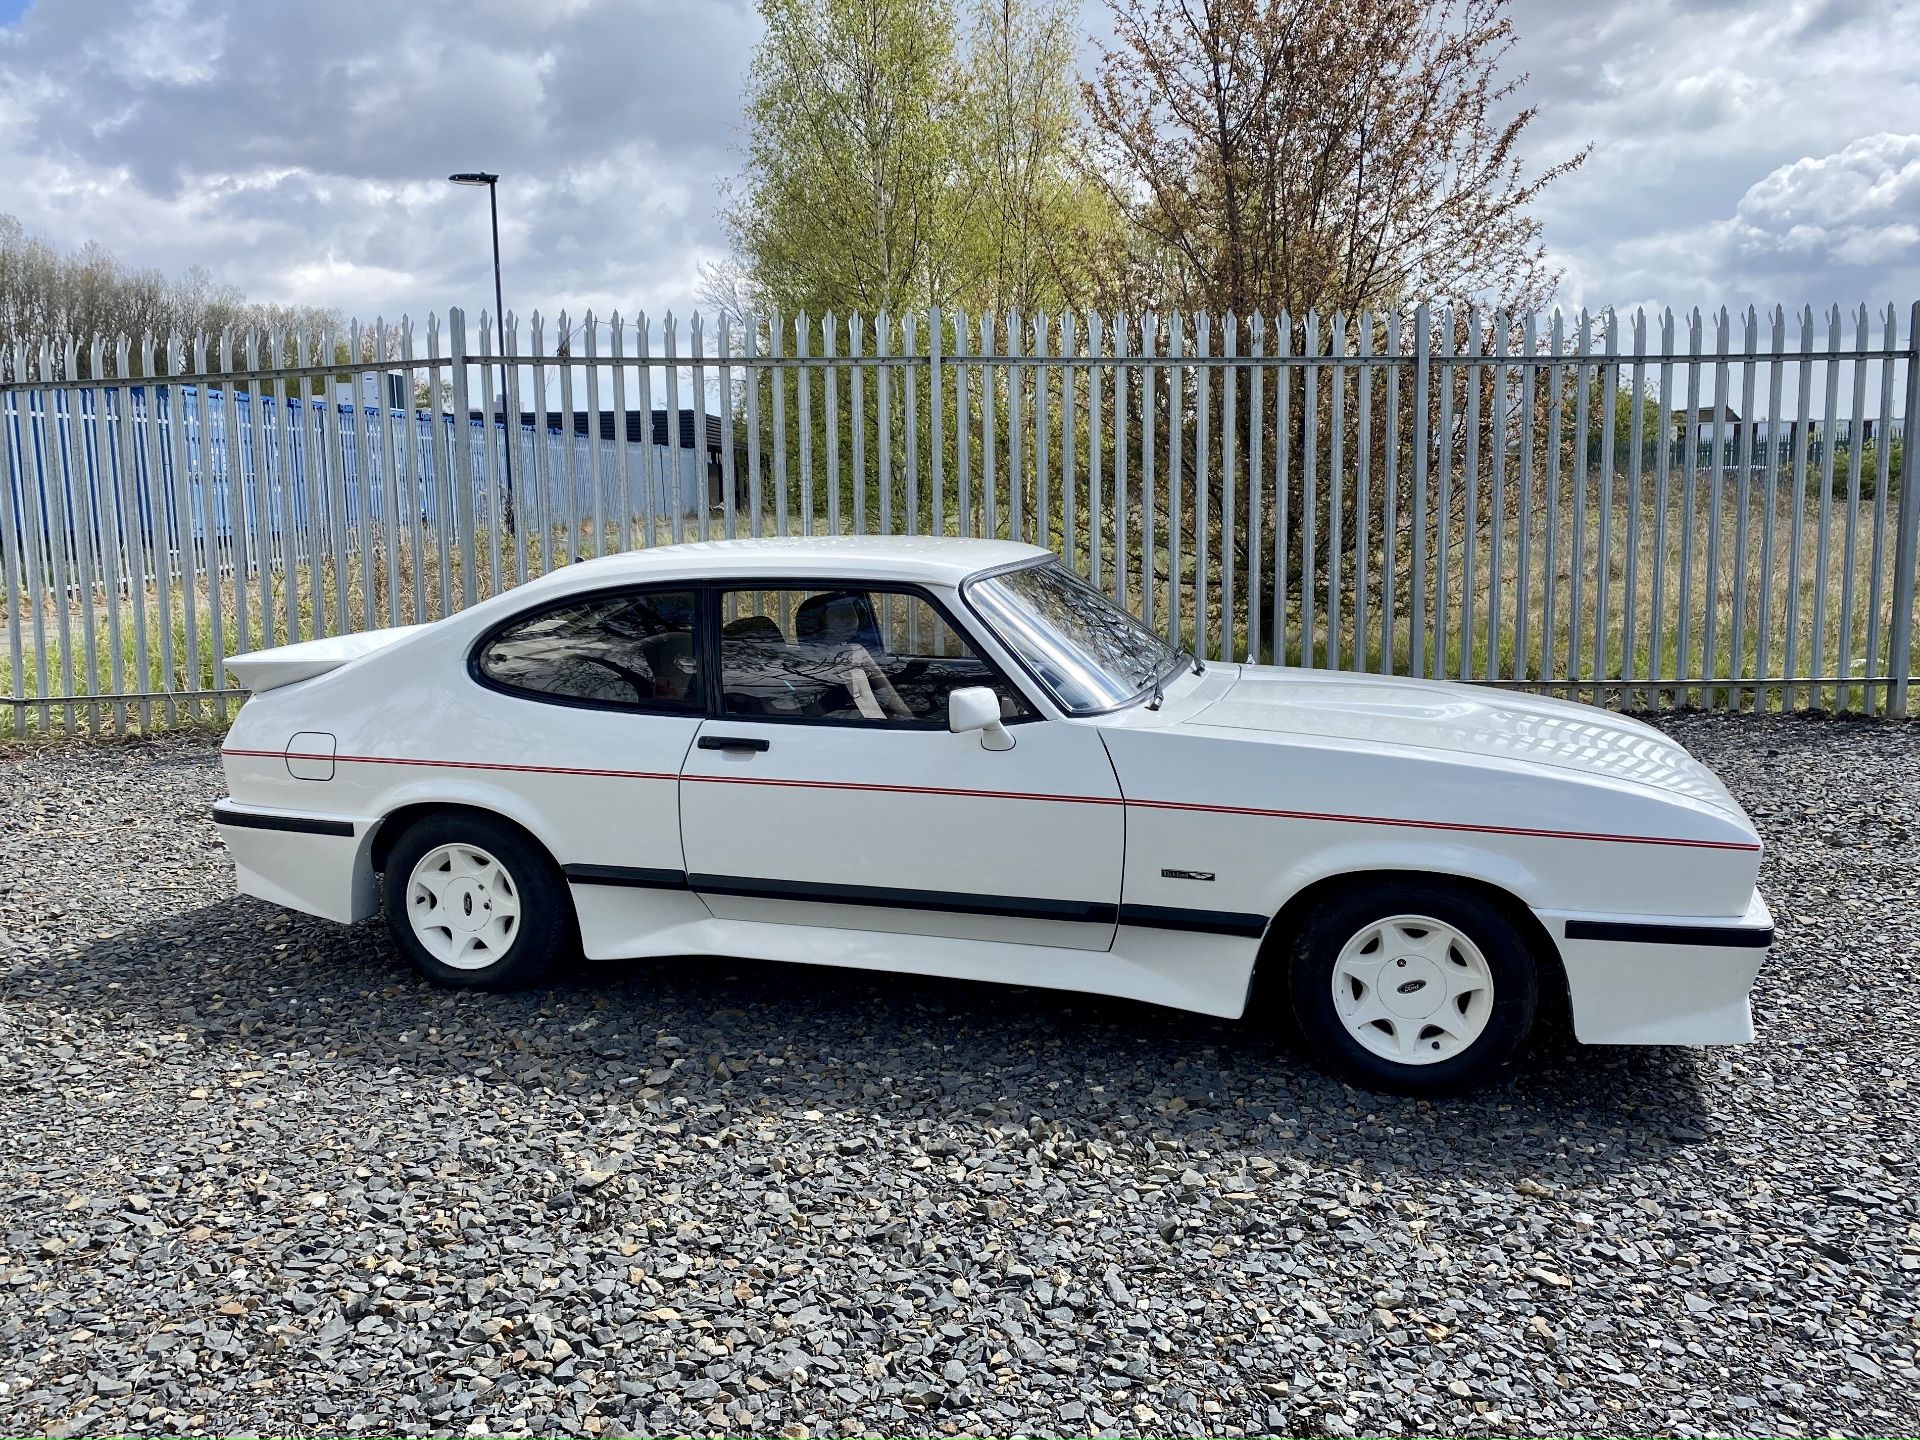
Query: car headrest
835	619
666	648
664	654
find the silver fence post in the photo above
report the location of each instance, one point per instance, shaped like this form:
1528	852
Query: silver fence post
1900	656
938	452
12	535
1417	596
461	515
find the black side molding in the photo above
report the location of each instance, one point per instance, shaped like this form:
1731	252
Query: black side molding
632	876
1756	937
295	824
1203	922
1011	907
1086	912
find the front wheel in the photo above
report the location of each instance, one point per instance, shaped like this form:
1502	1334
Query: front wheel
474	903
1412	986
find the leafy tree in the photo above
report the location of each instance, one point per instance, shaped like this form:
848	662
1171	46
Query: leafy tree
890	166
1869	468
848	150
1286	156
905	155
1031	229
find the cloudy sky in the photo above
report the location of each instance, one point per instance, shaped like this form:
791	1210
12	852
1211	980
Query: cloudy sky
1745	151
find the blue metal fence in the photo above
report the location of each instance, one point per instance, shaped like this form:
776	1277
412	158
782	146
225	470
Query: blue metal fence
105	465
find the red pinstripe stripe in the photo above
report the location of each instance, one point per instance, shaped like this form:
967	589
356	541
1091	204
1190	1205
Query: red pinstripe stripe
1253	810
457	764
1442	825
906	789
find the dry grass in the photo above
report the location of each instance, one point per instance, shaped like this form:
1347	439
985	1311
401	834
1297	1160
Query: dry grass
408	575
72	656
1498	630
1659	609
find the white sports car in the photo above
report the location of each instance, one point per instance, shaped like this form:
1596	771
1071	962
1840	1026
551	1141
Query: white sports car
953	757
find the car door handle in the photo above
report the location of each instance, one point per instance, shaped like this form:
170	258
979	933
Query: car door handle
731	742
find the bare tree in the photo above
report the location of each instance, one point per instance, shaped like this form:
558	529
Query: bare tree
46	294
1279	157
1292	154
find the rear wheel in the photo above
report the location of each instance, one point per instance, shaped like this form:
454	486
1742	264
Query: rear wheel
1414	986
473	902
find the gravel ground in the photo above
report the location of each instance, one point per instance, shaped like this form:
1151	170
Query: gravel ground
256	1177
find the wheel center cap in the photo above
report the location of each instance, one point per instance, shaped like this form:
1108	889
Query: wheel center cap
466	906
1412	987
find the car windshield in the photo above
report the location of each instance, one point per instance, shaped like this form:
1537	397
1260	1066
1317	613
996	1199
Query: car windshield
1089	653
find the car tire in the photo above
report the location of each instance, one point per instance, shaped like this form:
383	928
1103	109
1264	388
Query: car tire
475	903
1412	986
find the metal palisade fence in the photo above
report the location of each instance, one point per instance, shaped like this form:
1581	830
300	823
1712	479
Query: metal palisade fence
1637	510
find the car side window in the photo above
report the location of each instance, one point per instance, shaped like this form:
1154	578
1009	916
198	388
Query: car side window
846	654
636	650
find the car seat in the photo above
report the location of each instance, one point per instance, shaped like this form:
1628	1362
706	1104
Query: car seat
670	658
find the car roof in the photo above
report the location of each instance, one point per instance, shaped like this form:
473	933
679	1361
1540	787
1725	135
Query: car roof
929	559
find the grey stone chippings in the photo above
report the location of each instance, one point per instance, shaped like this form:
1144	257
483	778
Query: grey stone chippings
256	1177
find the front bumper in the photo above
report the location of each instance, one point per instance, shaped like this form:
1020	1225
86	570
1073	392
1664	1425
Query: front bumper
1662	980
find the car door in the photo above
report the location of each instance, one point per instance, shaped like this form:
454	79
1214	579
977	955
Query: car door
827	790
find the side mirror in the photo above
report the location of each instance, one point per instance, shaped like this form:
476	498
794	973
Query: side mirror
975	707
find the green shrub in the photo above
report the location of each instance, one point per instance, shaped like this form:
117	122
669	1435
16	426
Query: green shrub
1869	469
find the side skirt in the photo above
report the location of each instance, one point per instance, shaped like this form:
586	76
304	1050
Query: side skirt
1206	973
1081	912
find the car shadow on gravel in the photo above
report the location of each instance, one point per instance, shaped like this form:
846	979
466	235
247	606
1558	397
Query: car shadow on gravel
744	1034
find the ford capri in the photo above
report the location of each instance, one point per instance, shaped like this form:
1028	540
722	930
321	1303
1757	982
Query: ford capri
955	758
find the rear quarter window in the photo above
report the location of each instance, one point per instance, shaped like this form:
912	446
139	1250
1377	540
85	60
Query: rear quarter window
638	650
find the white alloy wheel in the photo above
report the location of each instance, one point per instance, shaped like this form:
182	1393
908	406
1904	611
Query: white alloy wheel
463	906
1412	989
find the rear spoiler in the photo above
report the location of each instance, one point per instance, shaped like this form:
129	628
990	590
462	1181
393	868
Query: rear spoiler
260	670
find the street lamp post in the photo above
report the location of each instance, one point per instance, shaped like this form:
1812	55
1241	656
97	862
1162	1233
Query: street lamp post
480	177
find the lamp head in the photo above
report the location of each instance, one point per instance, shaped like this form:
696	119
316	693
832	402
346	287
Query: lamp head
473	177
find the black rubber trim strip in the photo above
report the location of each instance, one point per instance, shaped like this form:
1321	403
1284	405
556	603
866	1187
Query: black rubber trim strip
1751	937
633	876
296	824
1204	922
1085	912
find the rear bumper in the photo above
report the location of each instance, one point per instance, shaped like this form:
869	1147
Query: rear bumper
1662	980
320	864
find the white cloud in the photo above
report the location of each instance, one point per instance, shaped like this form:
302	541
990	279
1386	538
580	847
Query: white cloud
1743	151
1856	205
317	281
1819	229
300	152
168	44
1711	121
